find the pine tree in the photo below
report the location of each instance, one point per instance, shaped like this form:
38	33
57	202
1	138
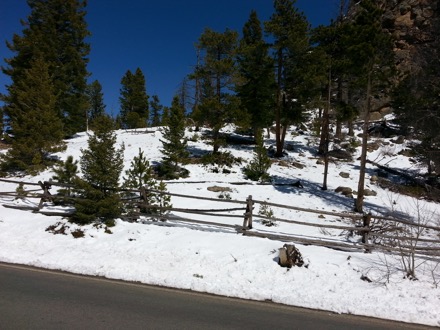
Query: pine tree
184	94
217	68
258	167
371	58
163	200
174	143
331	60
290	31
96	101
141	175
257	84
155	109
66	173
37	129
134	100
54	32
165	116
101	166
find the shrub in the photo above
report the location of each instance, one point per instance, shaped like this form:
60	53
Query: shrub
222	159
258	167
267	212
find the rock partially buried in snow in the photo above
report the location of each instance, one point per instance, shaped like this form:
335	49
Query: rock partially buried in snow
346	191
369	192
344	175
219	189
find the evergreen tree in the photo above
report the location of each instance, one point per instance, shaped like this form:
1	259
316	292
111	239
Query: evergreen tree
2	118
163	200
139	175
66	173
331	59
184	94
37	129
174	143
257	81
134	100
165	116
371	58
258	167
101	166
290	31
55	33
156	109
96	101
217	69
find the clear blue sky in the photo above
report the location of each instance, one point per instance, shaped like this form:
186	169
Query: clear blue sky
156	35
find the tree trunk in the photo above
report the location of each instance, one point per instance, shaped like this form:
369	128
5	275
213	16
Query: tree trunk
325	130
350	128
359	203
323	144
278	143
216	141
338	133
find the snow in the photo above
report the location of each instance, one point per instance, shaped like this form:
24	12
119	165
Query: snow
218	260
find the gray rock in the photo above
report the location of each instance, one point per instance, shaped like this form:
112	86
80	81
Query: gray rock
369	192
374	178
346	191
344	175
219	189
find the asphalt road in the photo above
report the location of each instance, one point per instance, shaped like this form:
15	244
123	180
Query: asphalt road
33	298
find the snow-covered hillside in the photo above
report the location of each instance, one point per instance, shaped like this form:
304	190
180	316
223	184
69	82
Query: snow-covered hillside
218	260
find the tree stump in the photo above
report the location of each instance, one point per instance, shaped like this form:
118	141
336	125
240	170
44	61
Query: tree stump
290	256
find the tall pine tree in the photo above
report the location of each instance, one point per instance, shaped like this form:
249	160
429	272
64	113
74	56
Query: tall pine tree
55	32
371	57
257	81
96	101
134	100
216	71
156	110
290	31
33	119
174	143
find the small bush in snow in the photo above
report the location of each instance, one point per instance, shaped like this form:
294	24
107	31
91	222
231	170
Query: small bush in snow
266	211
260	164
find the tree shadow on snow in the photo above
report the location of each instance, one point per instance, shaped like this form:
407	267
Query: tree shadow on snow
331	198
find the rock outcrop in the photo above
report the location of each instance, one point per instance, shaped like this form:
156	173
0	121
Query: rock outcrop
412	24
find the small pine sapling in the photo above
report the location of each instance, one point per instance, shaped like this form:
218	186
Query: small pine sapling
21	193
266	212
163	200
140	175
65	173
260	164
